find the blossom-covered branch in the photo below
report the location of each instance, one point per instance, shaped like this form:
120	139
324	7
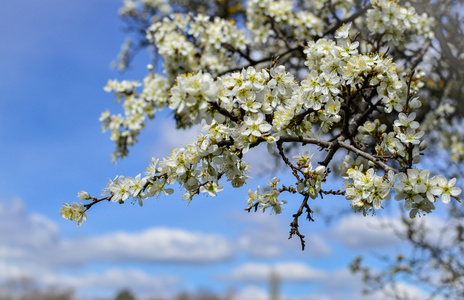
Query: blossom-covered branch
287	74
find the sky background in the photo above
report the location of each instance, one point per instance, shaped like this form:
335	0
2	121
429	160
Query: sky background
54	62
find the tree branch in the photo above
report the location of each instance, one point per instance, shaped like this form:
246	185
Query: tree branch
294	224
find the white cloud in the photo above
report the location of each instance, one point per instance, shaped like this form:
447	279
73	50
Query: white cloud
251	293
104	282
251	272
151	245
286	271
340	280
364	233
10	270
34	238
438	230
24	231
117	279
31	247
341	284
325	285
265	235
400	291
407	291
297	272
360	233
262	235
316	246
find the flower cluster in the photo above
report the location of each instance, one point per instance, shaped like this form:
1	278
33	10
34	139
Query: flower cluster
402	144
191	43
267	199
191	95
269	18
449	138
264	92
197	167
137	107
391	20
366	190
74	212
335	65
421	192
313	179
134	8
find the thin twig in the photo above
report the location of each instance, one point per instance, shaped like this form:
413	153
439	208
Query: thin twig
294	224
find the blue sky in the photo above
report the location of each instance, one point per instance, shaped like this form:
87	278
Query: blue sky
54	61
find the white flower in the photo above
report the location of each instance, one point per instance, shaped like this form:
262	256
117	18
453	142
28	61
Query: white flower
212	188
407	121
253	197
446	190
343	32
136	186
192	94
274	182
256	126
303	159
411	136
119	189
281	80
74	212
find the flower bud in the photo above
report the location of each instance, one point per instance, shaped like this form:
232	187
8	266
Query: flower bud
83	195
423	145
320	170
